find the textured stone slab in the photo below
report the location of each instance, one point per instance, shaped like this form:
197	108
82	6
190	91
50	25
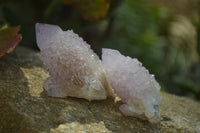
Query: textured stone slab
24	106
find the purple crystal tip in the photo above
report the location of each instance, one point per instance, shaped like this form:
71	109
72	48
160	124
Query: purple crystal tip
45	33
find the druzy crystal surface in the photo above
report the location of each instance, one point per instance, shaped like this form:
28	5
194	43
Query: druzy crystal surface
75	70
133	84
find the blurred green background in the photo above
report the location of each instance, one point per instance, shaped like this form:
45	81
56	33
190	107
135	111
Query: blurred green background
163	35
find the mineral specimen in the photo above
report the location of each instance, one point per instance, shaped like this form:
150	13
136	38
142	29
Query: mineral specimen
133	84
75	70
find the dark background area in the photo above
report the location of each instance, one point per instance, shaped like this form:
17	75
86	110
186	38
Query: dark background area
163	35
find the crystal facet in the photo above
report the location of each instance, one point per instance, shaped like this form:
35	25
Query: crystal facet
75	70
133	84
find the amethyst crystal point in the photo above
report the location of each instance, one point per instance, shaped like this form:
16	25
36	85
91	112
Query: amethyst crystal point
75	70
46	34
133	84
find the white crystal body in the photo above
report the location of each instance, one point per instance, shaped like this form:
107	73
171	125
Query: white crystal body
133	84
75	70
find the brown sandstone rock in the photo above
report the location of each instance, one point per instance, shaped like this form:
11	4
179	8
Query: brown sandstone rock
25	108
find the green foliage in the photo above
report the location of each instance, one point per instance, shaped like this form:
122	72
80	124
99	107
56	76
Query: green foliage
198	39
91	10
51	7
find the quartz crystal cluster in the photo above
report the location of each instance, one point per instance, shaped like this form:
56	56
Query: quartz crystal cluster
75	70
133	84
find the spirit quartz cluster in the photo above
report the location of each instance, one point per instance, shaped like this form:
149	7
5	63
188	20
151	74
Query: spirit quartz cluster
133	84
76	71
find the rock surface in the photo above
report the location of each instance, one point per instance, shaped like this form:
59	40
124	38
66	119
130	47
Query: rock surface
25	107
